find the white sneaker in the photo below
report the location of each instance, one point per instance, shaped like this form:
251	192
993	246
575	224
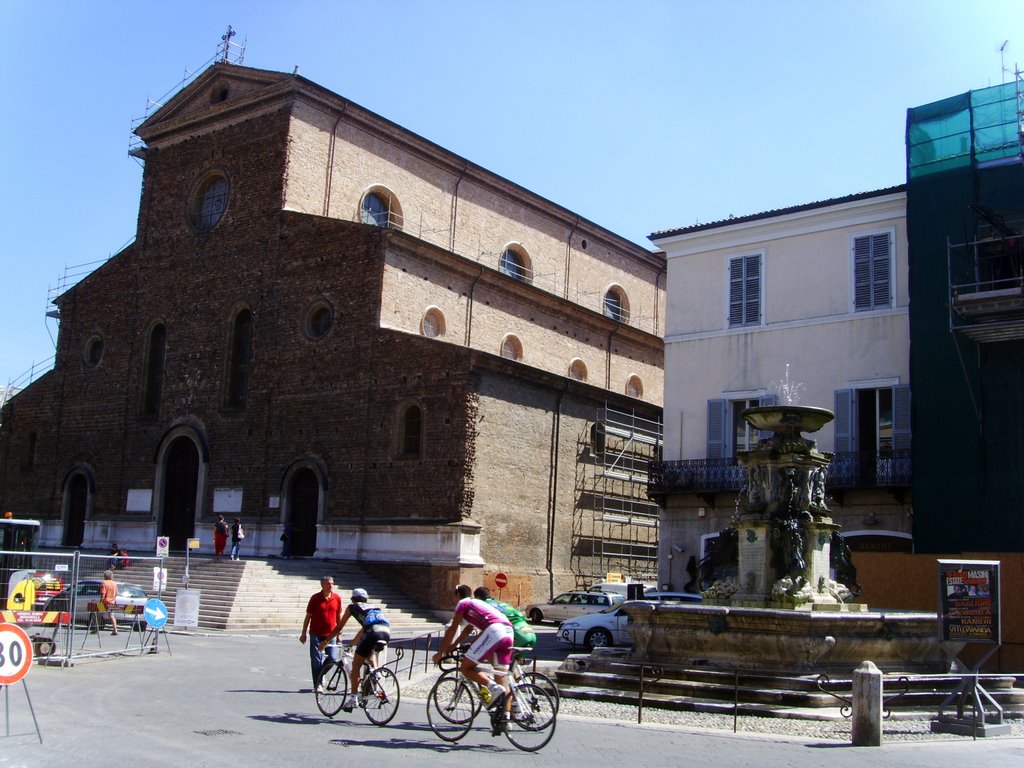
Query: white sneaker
497	692
321	688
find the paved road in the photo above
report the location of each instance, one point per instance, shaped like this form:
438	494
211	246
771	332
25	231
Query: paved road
244	701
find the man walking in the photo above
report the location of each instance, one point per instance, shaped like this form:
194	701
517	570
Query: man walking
323	612
108	597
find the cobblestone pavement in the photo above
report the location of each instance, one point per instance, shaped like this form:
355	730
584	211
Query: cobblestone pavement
837	728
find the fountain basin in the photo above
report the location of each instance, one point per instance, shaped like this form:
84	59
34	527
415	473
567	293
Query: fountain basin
788	419
783	641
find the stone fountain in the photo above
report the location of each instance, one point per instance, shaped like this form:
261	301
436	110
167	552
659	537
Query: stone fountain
779	587
784	534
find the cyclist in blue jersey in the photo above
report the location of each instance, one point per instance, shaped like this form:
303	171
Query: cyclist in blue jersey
374	633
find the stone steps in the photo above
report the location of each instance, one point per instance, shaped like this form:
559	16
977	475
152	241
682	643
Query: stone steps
607	676
257	594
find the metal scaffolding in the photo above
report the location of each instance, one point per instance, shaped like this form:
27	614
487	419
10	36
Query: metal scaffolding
615	525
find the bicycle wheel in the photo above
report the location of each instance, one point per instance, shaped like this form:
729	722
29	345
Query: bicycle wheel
543	681
451	708
533	717
332	688
382	695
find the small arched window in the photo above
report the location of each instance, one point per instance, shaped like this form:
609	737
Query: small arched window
239	358
92	355
616	306
578	370
515	263
319	320
511	348
30	452
635	387
209	201
153	376
381	209
412	432
432	326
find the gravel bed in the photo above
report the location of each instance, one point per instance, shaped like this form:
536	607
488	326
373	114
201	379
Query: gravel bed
902	729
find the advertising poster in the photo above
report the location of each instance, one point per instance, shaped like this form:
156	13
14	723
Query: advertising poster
969	601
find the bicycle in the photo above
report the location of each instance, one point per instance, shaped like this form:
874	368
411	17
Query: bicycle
379	692
454	702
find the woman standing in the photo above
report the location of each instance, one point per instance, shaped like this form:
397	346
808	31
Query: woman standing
237	534
220	536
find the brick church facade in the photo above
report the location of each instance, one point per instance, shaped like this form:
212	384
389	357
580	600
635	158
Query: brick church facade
329	322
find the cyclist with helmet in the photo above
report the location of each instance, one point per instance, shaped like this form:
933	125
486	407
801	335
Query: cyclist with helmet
374	633
494	643
522	634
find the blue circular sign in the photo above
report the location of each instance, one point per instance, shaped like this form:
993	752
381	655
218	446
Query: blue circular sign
155	612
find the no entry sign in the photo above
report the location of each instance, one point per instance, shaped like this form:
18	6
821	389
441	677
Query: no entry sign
500	581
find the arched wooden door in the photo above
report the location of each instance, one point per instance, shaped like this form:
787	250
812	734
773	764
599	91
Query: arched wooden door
77	500
181	478
303	504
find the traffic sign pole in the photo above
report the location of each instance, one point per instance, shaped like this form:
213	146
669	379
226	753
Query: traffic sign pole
500	581
15	663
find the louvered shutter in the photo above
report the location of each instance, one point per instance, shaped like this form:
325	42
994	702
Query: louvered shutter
901	417
717	410
844	421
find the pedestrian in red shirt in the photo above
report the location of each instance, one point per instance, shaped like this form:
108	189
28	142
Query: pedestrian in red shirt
323	612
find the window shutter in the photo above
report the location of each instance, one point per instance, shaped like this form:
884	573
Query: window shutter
769	399
844	421
745	290
880	271
716	428
871	278
752	299
735	292
861	273
901	417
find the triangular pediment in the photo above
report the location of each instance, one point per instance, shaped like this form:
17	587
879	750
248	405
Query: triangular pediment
220	90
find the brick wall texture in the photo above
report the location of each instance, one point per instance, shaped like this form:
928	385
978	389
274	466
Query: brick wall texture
499	438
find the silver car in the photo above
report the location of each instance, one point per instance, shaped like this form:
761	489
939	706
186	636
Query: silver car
611	626
87	591
569	605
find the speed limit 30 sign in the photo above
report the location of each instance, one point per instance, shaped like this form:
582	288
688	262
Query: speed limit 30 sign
15	653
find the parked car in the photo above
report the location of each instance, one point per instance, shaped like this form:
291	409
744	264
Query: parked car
88	591
621	587
610	626
568	605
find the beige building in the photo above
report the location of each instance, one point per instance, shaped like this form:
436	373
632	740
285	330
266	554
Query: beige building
809	305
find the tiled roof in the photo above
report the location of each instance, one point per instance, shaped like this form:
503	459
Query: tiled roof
655	236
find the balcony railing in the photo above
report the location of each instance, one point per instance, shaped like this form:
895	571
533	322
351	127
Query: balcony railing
847	471
870	469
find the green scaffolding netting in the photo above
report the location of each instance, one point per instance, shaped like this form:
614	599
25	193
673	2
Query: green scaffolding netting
977	126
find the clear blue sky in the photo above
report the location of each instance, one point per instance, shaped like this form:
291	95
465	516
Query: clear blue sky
640	115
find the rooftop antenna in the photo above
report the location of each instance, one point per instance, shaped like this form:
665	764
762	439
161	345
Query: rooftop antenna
224	52
226	43
1002	63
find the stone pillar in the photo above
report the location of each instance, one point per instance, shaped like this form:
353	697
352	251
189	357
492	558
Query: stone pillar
867	705
754	575
818	557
